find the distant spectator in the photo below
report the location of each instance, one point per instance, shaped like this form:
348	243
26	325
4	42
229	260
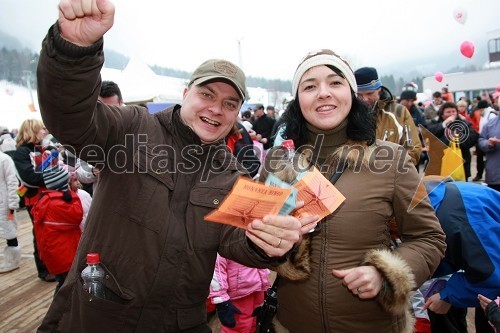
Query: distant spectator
489	143
263	125
447	95
479	118
462	109
431	111
110	93
271	112
7	143
9	202
27	157
447	124
408	98
246	115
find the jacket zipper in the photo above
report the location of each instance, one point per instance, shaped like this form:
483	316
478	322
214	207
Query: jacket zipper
322	274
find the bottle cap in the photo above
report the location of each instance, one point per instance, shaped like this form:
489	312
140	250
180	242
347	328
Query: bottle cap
288	144
93	258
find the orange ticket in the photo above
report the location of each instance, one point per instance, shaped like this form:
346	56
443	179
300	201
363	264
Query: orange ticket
319	195
247	201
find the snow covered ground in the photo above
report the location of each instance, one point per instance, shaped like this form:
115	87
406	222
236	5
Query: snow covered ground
15	104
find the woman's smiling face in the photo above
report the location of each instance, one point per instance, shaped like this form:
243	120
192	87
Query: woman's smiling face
324	97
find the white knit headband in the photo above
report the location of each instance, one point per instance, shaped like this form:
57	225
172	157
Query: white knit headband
323	59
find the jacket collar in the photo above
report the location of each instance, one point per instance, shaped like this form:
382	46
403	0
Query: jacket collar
386	97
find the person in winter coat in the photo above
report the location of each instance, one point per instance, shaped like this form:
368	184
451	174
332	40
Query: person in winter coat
85	198
240	144
450	123
345	277
160	174
489	142
57	217
236	291
28	160
9	202
394	121
470	217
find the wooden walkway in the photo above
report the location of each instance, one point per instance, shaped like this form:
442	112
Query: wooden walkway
24	298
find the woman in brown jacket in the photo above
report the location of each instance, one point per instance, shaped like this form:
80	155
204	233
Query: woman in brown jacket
346	276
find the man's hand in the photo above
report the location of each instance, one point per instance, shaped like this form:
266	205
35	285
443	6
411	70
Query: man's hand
276	235
84	22
364	281
436	304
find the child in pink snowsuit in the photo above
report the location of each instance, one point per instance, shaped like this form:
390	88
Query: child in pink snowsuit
236	290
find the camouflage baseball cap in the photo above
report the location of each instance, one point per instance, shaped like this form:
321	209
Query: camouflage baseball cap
220	69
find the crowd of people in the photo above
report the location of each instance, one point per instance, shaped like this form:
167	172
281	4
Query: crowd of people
101	176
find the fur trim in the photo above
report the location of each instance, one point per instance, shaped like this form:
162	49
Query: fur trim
399	280
409	322
297	267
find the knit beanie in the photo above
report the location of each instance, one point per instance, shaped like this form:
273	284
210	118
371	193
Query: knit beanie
367	79
54	177
323	57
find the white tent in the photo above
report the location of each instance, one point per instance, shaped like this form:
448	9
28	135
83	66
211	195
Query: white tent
139	83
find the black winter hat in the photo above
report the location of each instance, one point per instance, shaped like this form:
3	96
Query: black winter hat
408	94
367	79
482	104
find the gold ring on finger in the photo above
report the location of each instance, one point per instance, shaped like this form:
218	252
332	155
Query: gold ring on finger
279	243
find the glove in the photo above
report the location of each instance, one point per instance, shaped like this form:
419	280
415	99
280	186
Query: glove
225	312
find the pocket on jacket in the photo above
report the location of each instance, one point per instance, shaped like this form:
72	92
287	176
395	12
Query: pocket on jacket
203	200
87	311
192	317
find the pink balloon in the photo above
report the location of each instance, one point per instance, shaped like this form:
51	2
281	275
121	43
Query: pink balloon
439	76
460	15
467	49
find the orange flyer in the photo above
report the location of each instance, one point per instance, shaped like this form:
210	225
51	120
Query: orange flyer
319	195
247	201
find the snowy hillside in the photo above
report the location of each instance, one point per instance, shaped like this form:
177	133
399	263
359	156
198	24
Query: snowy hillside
15	102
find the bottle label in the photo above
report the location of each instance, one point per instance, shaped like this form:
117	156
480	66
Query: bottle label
289	204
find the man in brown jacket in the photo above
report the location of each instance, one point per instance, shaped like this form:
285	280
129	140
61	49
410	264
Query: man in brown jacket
160	175
394	121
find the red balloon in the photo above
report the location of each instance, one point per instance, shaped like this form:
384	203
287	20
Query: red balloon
467	49
439	76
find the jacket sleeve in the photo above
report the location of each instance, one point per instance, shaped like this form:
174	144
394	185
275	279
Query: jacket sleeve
462	293
423	240
410	132
219	285
25	168
68	88
483	138
234	245
12	182
436	128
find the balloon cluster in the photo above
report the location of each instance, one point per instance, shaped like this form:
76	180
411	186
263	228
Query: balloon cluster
467	47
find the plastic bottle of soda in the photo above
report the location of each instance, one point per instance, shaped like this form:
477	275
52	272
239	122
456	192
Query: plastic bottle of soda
287	169
93	276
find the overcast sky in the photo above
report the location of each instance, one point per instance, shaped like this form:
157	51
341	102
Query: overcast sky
273	34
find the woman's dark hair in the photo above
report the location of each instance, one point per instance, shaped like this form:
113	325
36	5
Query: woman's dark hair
446	106
361	121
